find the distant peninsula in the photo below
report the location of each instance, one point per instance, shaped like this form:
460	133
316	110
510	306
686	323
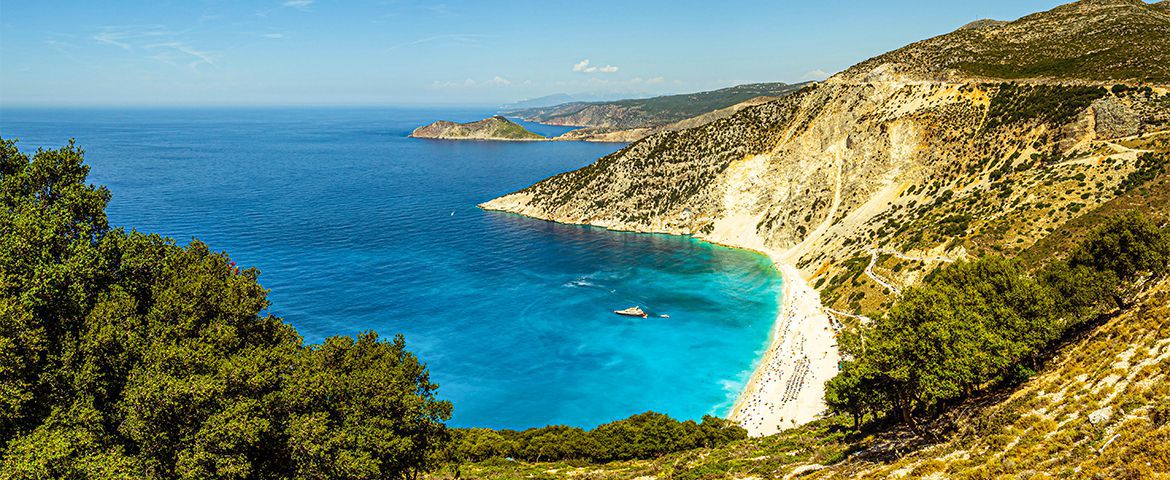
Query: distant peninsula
495	128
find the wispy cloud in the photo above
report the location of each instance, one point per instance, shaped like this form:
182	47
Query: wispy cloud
466	83
469	83
460	39
124	36
299	4
200	57
273	35
584	67
68	49
155	42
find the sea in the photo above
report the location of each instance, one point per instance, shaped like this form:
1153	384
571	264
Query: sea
355	227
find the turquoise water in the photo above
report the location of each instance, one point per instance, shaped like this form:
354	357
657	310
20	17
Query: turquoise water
356	227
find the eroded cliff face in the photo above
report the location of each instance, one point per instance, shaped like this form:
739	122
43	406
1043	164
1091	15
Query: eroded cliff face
822	177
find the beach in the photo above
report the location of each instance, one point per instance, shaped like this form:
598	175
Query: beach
786	388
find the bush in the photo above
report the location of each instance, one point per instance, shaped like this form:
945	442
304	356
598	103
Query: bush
644	436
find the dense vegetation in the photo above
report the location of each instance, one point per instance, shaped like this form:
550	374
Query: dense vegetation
974	326
1053	104
645	436
124	355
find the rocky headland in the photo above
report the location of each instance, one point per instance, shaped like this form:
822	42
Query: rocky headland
495	128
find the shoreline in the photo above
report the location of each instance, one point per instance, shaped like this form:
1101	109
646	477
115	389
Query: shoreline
786	387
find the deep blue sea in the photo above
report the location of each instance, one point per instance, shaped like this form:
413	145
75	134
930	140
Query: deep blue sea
356	227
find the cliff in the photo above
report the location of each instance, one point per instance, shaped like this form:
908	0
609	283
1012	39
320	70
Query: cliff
494	128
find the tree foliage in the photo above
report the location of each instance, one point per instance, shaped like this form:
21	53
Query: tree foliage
1128	246
644	436
973	326
125	355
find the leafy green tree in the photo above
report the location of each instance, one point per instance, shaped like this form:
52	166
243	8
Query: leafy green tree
966	326
1127	245
1080	290
479	444
362	407
646	435
125	355
977	325
49	268
856	391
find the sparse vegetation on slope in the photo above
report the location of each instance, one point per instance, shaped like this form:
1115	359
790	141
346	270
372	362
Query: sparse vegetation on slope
1088	40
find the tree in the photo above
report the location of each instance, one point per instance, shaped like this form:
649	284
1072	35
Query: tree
856	391
967	326
361	409
125	355
1127	245
976	325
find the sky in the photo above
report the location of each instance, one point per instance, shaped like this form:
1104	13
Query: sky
387	52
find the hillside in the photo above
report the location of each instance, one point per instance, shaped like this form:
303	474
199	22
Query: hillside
860	186
1095	41
631	120
494	128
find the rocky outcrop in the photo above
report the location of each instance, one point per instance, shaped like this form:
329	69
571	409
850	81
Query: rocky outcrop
494	128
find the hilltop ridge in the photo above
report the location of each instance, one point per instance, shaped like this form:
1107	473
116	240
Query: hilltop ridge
1096	41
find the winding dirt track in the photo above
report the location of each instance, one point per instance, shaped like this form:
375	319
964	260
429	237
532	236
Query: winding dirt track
873	257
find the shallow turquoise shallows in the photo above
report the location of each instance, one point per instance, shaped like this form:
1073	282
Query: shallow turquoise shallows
357	227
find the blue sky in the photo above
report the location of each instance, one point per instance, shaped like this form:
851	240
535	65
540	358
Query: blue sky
386	52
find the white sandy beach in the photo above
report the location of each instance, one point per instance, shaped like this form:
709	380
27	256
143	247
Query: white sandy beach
787	387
